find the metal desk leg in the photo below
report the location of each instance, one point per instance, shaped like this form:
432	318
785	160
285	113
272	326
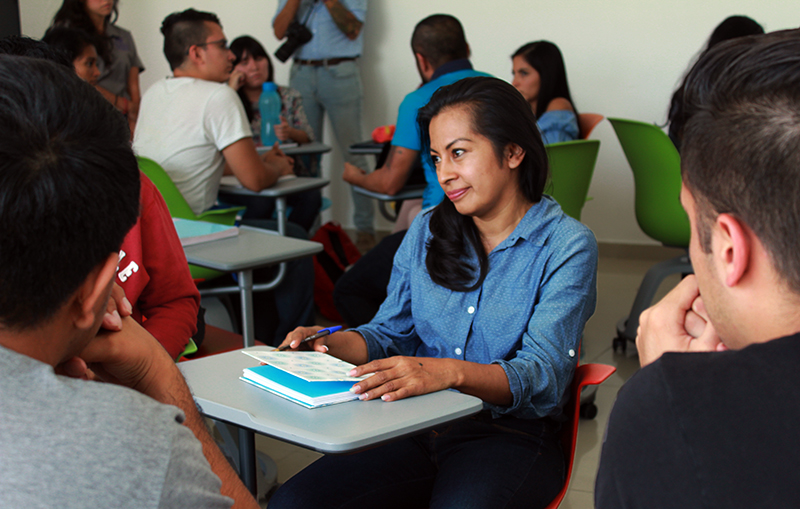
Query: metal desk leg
280	208
247	460
246	295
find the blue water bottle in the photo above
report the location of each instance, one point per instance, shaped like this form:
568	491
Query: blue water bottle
269	104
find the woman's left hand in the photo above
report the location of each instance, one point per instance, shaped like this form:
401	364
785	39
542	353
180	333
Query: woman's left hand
401	377
282	130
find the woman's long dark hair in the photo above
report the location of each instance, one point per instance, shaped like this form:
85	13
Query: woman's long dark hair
731	28
545	57
239	46
72	13
500	114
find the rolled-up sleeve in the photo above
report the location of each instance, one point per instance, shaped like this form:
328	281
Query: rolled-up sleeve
542	369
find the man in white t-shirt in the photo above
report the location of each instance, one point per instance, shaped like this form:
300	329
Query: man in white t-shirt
193	124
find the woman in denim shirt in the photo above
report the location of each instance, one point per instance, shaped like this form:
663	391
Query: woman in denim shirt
541	78
489	295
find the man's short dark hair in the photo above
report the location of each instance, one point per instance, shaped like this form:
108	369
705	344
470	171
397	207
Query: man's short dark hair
69	187
183	30
741	143
21	46
440	39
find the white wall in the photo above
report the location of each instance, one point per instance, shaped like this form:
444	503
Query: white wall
623	58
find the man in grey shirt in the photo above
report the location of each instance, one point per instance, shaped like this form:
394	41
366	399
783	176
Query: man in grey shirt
69	192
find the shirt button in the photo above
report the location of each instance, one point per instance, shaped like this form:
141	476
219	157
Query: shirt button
571	352
458	351
471	309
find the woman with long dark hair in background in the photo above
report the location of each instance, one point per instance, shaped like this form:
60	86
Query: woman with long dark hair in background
541	78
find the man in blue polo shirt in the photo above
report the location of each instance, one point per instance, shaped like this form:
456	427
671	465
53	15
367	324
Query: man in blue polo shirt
442	55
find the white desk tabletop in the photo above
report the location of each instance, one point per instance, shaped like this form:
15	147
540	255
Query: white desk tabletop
251	249
341	428
315	147
284	186
407	193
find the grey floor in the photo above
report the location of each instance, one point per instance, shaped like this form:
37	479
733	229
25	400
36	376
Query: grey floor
620	271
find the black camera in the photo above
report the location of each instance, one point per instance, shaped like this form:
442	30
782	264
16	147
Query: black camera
296	35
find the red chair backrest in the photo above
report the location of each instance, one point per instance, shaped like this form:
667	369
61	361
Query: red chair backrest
587	122
585	374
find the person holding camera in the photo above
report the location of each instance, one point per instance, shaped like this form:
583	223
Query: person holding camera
325	39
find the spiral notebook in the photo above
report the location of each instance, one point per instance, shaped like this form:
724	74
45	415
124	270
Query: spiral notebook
310	379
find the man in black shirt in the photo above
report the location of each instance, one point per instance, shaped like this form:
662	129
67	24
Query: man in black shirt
711	422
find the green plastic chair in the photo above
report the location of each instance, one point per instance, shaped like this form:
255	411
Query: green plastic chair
656	167
178	207
571	168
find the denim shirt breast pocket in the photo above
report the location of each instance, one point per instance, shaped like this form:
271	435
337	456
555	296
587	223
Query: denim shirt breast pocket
501	319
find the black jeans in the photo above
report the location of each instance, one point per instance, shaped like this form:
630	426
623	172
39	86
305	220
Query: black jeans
361	290
475	463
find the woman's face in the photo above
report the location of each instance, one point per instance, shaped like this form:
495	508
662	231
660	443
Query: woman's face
86	65
99	7
467	167
526	79
256	70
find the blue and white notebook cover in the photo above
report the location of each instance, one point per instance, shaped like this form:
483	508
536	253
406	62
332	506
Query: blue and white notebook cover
311	379
194	232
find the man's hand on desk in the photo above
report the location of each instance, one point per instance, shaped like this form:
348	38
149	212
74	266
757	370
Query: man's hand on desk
279	162
354	175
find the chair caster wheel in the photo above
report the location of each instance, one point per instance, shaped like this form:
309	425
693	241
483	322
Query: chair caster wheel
588	411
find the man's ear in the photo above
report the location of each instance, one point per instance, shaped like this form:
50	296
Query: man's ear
423	65
93	294
195	56
514	154
734	247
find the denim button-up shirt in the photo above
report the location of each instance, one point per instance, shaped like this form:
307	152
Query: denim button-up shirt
527	316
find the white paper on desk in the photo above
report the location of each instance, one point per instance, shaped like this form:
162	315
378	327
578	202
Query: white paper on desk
310	366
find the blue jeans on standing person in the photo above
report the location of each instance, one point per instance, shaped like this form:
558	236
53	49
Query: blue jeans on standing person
479	462
337	89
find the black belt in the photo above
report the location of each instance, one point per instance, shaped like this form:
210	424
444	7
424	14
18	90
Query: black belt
326	62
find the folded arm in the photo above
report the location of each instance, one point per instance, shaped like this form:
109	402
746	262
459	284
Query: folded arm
388	179
254	172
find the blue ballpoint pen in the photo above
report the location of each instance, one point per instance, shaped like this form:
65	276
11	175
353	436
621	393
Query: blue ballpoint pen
320	333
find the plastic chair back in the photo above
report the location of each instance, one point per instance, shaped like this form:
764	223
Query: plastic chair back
585	374
178	207
587	122
571	169
656	167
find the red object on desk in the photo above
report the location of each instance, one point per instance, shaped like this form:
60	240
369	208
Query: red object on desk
383	133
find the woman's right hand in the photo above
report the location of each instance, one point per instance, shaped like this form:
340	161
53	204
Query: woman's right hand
294	338
236	80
